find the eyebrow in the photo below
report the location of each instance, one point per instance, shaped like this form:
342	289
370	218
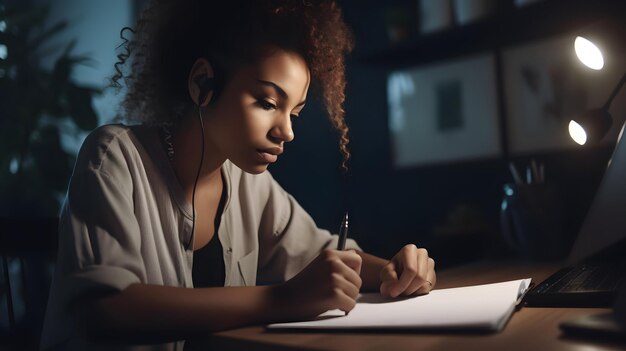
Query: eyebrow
279	90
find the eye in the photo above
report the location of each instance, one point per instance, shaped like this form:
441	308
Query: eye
266	105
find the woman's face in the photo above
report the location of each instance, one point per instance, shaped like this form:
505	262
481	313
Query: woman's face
251	121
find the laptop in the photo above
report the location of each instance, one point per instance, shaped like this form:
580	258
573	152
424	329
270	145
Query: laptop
596	266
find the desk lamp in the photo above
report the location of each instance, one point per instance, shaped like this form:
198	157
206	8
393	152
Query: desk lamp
592	125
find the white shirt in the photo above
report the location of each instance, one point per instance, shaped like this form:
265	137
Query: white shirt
126	220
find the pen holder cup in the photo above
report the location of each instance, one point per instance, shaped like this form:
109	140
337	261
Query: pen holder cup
531	221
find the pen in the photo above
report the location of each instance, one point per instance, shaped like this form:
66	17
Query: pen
343	233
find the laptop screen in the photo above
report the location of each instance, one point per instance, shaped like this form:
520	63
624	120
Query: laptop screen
605	223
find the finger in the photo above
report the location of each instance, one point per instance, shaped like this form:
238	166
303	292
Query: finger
432	273
339	266
351	259
388	272
412	289
422	264
431	279
408	270
421	278
388	278
342	301
345	285
425	288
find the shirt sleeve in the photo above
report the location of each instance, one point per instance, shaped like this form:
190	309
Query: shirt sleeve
289	239
100	247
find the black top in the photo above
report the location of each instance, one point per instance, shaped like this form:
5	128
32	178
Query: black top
208	265
208	262
208	271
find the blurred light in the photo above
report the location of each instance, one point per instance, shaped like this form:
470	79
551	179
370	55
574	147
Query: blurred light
400	87
3	26
577	133
13	166
4	52
621	132
588	53
597	45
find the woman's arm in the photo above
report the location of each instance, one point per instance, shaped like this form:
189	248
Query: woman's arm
370	271
153	313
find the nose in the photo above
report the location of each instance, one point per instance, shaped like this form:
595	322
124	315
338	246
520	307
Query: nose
282	130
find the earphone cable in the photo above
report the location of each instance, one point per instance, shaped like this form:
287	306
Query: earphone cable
193	194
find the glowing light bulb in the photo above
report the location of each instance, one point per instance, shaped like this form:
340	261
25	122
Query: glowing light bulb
588	53
577	132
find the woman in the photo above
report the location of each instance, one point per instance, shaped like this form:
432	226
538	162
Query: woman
169	224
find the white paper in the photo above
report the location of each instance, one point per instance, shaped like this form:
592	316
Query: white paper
479	307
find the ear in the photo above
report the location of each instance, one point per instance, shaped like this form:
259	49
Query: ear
200	83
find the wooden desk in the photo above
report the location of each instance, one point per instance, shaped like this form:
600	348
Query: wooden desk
529	329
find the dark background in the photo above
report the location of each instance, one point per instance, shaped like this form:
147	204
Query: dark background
392	207
453	209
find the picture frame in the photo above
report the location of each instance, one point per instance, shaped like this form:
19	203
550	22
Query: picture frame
444	112
545	86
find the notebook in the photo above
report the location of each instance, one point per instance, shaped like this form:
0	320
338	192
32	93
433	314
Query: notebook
485	307
596	266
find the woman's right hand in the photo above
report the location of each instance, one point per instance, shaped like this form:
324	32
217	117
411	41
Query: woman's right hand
331	281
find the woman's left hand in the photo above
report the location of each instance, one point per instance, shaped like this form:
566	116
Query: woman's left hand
410	272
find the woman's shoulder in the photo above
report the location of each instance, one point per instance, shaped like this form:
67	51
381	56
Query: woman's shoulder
111	141
108	133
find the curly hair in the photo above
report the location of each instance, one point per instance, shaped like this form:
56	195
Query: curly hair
171	34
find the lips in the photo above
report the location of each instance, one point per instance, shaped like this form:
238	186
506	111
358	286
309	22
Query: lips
270	155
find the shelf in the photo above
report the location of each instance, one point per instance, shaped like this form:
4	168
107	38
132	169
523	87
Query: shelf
510	26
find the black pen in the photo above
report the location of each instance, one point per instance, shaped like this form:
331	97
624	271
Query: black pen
343	233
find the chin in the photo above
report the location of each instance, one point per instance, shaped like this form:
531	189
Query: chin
256	170
252	168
